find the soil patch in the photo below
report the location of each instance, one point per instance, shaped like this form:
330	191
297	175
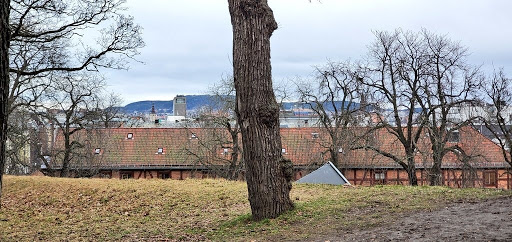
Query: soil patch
489	220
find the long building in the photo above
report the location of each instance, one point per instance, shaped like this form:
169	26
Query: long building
180	153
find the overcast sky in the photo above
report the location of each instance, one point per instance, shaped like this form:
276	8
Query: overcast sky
188	42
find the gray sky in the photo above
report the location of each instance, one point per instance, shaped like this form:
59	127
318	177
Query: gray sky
188	42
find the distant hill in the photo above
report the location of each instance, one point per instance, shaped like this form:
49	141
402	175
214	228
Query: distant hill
145	107
194	102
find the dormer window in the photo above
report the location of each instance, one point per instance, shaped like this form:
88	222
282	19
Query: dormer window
454	137
283	150
314	135
225	151
193	136
160	151
340	150
97	151
129	136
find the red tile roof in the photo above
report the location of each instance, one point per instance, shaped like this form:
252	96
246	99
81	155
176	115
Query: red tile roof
303	146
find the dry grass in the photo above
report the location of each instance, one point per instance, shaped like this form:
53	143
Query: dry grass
43	208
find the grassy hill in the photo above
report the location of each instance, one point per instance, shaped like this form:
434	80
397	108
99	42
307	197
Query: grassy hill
56	209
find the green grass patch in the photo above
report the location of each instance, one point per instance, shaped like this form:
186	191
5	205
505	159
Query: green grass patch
57	209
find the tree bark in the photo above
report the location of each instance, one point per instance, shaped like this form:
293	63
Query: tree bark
268	174
64	172
334	156
233	173
411	169
437	159
4	82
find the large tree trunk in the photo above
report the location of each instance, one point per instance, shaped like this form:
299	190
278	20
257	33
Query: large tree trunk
4	82
334	156
435	171
268	174
411	169
64	172
334	149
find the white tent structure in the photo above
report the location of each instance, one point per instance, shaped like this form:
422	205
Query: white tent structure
326	174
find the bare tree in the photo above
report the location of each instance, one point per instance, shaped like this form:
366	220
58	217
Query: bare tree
20	137
108	110
224	95
215	149
42	37
45	38
220	130
446	89
499	121
71	108
25	92
398	63
339	99
86	159
268	173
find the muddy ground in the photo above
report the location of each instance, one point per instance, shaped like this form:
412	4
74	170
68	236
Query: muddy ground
483	221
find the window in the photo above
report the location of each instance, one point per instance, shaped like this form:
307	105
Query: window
164	175
454	137
306	121
126	175
105	174
160	151
97	151
193	136
380	175
490	178
129	136
314	135
283	150
225	151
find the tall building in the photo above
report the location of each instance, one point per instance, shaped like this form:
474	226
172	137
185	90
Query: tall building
180	106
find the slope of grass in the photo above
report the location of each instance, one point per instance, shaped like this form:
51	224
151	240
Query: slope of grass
43	208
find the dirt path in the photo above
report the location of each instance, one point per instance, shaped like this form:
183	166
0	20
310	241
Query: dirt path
484	221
